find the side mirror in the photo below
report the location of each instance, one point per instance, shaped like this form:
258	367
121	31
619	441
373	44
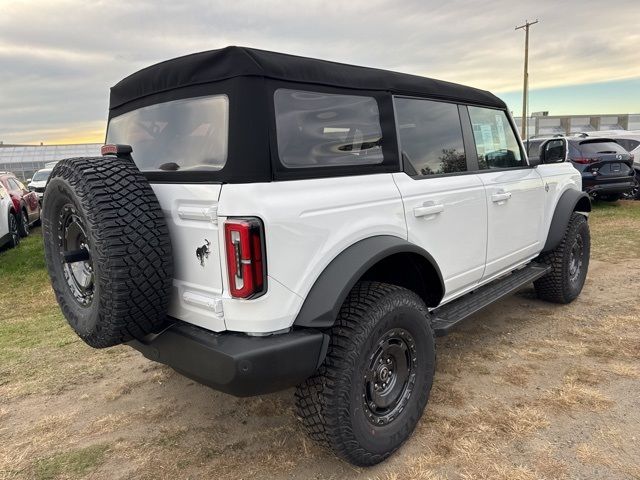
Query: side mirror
29	180
554	150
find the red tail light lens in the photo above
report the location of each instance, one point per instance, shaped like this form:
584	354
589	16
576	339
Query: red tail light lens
244	239
583	160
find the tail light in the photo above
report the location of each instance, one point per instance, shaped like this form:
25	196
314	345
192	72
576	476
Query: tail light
244	239
583	160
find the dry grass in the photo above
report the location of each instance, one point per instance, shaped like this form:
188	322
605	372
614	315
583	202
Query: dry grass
525	391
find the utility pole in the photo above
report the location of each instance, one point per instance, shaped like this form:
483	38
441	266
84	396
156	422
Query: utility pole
526	75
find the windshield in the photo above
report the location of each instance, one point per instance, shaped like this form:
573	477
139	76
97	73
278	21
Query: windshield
190	134
41	175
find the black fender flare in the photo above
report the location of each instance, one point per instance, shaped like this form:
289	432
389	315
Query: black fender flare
570	201
322	305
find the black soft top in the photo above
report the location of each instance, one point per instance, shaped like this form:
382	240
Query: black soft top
231	62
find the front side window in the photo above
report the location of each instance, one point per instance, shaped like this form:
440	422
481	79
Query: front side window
496	143
190	134
321	129
430	136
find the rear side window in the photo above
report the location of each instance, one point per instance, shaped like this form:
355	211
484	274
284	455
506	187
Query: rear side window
321	129
495	140
190	134
430	136
592	148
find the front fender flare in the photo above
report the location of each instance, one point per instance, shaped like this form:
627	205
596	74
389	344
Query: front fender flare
570	201
322	304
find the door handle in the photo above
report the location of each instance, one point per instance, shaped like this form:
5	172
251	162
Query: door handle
501	197
428	209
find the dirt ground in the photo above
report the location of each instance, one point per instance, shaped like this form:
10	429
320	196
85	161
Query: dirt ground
523	390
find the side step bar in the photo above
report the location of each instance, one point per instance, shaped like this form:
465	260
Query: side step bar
445	317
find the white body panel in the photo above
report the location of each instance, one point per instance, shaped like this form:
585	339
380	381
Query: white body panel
307	223
515	215
456	233
5	208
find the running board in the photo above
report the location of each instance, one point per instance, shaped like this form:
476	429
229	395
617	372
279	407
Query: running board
445	317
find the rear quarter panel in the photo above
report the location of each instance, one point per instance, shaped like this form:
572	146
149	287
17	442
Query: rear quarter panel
307	224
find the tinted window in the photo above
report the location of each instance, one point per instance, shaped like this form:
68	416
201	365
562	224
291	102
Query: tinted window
322	129
591	148
430	137
181	135
627	143
495	140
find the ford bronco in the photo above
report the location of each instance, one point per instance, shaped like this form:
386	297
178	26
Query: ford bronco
260	221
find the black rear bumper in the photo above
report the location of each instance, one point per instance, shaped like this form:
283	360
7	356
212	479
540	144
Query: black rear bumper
618	185
235	363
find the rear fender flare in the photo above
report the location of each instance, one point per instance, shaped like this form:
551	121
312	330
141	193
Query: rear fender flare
322	305
570	201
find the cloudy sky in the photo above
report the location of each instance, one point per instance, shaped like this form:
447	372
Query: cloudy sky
58	58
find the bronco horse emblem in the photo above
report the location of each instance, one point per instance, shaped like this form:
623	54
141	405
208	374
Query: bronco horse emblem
203	252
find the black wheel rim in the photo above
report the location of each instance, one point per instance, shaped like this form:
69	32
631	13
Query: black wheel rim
13	229
75	255
390	376
575	259
25	222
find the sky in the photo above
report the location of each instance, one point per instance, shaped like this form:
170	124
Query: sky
58	58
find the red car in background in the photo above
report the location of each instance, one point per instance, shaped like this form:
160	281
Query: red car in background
24	201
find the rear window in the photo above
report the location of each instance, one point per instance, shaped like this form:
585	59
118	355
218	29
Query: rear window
190	134
321	129
41	175
591	148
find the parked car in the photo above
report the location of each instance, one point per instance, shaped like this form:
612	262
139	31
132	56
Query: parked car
38	182
25	202
606	168
630	141
9	235
260	221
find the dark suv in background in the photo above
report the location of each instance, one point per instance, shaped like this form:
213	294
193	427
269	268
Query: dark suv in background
606	168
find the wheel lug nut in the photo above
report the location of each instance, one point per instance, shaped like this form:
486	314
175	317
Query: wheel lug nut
388	360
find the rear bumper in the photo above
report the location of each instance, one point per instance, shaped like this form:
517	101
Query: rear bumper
235	363
617	185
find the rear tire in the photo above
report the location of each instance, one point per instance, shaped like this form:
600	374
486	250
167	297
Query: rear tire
108	250
569	263
14	231
371	390
23	224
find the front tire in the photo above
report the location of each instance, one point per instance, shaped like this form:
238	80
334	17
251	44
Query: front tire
569	263
370	392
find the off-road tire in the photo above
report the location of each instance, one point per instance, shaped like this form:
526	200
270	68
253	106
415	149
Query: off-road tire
329	404
129	245
23	224
557	286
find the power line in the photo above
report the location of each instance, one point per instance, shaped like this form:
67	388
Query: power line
525	94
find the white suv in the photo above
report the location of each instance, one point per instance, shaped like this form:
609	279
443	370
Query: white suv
260	221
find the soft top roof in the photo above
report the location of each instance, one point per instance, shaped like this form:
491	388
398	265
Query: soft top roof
215	65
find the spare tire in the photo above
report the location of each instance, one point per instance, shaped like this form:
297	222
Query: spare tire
107	249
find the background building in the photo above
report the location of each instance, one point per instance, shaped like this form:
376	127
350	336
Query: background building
24	160
540	123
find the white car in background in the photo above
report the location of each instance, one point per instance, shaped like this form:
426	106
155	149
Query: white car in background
8	221
39	182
